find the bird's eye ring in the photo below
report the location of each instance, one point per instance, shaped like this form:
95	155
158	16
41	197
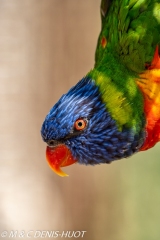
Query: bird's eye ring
80	124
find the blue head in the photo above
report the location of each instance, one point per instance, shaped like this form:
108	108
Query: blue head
100	141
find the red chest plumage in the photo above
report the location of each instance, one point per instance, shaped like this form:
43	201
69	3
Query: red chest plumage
149	83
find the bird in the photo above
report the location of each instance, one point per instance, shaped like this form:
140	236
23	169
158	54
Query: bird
113	112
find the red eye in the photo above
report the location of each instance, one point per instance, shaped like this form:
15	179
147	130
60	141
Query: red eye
80	124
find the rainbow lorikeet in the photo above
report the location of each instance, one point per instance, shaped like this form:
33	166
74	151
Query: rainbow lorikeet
114	111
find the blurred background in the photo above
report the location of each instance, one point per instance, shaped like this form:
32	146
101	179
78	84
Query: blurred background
46	46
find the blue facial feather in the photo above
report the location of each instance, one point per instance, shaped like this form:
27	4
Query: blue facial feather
100	141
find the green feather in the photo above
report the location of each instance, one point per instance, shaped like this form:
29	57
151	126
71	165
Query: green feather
132	32
119	92
132	29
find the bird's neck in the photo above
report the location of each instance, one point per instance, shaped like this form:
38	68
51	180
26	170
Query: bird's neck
119	91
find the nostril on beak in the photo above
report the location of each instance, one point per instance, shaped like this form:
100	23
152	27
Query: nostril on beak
51	143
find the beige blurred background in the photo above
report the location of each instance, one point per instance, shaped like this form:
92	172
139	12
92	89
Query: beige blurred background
46	46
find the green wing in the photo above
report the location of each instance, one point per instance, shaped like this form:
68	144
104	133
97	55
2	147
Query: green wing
130	30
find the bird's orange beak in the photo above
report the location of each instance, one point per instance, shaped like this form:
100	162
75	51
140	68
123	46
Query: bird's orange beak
59	156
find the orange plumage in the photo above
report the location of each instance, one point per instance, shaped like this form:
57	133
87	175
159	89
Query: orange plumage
149	83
